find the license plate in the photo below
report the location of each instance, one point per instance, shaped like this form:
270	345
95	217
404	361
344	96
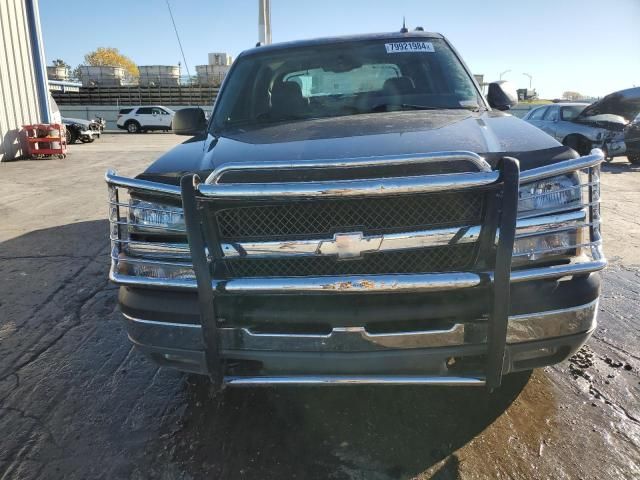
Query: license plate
406	47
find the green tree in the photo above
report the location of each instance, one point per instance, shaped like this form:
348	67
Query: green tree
58	62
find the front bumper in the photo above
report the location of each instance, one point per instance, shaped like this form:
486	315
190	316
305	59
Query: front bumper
539	333
88	134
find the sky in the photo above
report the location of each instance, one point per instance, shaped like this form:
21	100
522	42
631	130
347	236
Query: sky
588	46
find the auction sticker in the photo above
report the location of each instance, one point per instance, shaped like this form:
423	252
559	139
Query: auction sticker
406	47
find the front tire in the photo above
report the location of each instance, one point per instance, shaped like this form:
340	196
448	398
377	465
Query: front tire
71	136
132	126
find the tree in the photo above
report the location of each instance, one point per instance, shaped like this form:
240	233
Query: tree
573	96
58	62
111	57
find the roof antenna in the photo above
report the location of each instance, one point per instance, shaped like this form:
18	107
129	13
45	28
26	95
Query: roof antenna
404	26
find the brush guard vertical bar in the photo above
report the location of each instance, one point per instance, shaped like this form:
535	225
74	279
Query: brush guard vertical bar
499	316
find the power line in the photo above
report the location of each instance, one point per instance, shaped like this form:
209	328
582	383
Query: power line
179	42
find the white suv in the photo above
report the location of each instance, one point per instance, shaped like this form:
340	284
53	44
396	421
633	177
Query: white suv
141	119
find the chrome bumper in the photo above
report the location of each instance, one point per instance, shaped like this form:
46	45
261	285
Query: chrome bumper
181	345
521	328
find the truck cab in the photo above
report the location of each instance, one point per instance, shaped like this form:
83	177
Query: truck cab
355	211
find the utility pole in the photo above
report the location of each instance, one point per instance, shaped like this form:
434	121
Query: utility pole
502	73
264	22
530	79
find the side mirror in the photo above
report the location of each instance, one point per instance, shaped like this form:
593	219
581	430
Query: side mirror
502	95
189	121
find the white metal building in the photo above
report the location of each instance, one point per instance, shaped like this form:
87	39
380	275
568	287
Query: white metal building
24	95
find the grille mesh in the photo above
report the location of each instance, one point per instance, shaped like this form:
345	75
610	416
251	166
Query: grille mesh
316	219
435	259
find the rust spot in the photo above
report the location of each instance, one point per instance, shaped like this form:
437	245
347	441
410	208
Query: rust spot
368	284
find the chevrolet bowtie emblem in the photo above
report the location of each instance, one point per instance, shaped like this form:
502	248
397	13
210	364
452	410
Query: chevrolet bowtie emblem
349	245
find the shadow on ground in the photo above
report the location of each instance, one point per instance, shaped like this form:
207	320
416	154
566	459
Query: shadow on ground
338	432
620	167
76	401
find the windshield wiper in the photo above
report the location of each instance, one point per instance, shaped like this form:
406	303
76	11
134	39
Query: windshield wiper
410	106
390	107
402	106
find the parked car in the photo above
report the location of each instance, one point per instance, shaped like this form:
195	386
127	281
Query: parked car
632	140
583	126
142	119
80	129
355	211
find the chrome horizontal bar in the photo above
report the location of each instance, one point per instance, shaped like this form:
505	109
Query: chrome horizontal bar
534	225
341	339
557	271
365	284
133	183
170	250
340	188
520	328
138	227
350	188
150	282
384	160
350	245
388	242
370	283
150	261
552	211
318	380
426	282
594	158
171	208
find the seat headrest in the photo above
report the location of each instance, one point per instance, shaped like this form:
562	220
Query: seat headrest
287	89
399	85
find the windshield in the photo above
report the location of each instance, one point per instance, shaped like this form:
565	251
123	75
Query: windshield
344	79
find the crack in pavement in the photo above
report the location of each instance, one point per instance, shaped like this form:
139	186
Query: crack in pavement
599	394
76	314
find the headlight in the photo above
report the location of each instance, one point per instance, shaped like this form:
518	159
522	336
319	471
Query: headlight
537	247
553	221
549	194
152	217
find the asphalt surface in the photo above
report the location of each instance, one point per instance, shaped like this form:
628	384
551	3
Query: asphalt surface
76	401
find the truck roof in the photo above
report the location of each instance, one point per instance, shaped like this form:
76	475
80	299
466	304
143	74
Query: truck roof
339	39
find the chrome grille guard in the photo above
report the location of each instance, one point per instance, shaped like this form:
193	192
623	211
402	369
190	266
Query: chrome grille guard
205	247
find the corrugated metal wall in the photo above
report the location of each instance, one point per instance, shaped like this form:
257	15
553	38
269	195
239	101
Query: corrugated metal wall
18	87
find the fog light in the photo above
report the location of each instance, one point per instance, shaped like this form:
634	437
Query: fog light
151	270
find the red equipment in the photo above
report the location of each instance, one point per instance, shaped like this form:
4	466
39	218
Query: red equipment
45	140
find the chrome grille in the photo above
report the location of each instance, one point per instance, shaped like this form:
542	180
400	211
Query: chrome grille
323	218
438	259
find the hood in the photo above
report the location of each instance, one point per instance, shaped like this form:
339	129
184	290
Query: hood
491	134
79	121
625	103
